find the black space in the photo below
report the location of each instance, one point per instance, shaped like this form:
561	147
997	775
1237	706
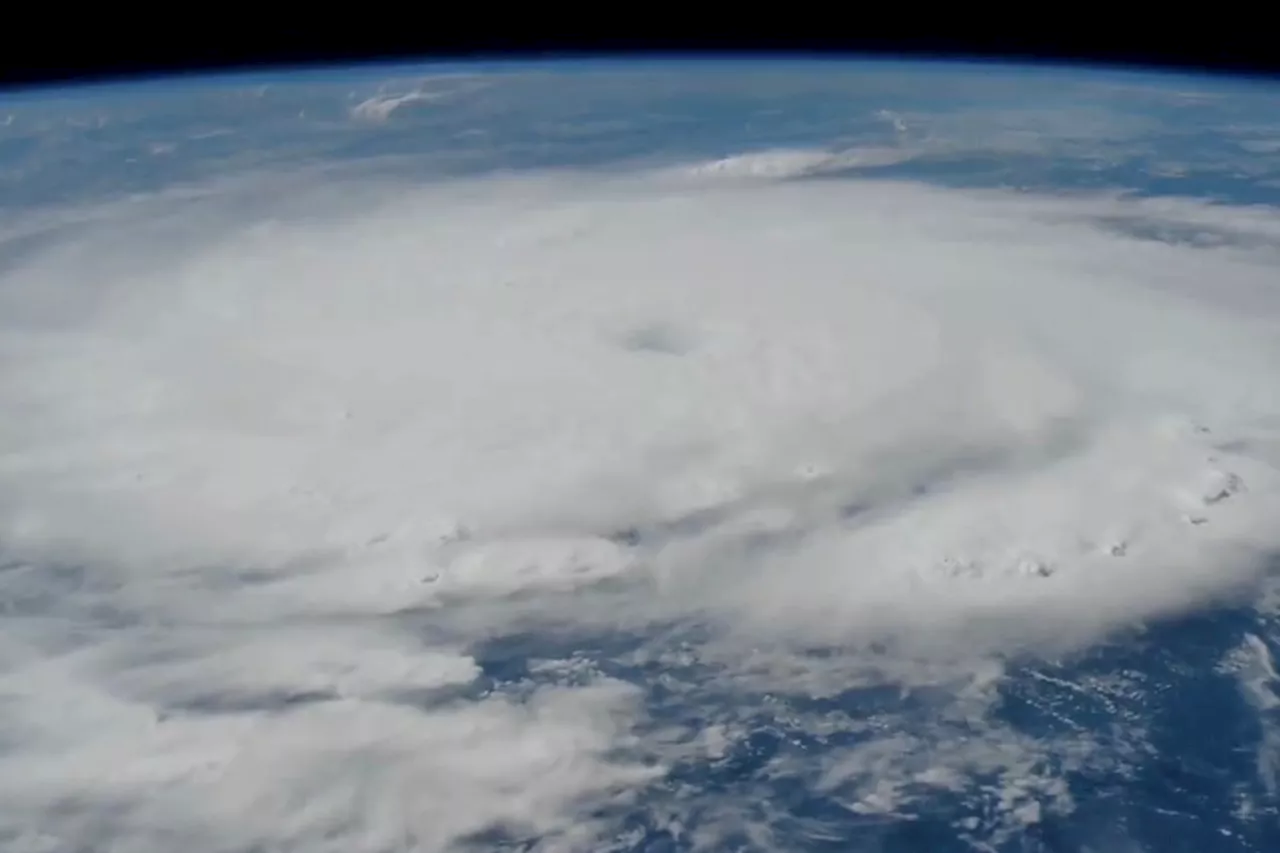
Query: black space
203	40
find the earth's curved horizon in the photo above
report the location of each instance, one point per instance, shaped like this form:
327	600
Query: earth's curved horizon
801	456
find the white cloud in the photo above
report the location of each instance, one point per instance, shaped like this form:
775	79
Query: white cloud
330	776
293	473
380	107
771	164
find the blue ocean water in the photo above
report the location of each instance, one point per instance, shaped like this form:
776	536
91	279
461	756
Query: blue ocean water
970	125
1179	755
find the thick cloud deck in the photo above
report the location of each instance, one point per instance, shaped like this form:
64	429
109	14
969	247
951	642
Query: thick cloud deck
262	503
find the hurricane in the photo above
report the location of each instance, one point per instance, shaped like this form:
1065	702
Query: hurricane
542	461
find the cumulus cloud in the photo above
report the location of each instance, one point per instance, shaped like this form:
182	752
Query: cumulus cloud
267	502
